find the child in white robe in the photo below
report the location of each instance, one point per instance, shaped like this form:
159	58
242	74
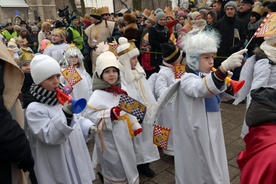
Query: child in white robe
199	149
116	162
137	87
57	136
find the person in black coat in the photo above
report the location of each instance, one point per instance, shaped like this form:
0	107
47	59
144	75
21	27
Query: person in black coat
157	35
233	35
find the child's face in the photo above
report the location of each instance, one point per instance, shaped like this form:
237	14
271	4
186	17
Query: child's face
74	60
55	38
206	62
51	83
26	67
133	62
110	75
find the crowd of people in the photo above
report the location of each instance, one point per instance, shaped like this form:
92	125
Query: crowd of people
63	83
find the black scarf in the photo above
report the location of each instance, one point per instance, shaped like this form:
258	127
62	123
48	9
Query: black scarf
43	95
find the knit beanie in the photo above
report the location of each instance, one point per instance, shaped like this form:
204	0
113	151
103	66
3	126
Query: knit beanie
195	14
160	15
42	67
127	50
158	10
170	52
231	3
105	60
34	28
197	43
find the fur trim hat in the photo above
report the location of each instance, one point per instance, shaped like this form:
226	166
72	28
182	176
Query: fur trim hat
42	67
197	43
130	17
160	15
170	52
231	3
105	60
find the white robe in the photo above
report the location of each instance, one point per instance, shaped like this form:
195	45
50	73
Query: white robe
60	151
256	74
117	162
146	151
165	79
56	51
199	149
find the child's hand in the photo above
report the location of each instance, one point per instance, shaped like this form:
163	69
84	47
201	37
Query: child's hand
115	112
68	108
233	61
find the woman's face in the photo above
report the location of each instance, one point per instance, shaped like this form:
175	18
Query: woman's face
181	20
210	20
51	83
110	75
133	62
206	62
253	19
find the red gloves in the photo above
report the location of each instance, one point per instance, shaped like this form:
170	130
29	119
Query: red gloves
115	113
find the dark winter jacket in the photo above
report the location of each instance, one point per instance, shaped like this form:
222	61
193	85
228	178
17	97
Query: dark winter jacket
262	108
229	44
157	35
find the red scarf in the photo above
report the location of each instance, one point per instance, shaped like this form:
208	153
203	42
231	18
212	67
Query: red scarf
116	90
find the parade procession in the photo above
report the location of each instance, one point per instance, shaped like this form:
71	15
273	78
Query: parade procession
137	92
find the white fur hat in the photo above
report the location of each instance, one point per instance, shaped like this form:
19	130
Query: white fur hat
105	60
42	67
197	43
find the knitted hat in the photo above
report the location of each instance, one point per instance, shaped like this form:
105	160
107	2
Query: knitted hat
105	60
160	15
34	28
24	29
42	67
170	52
231	3
195	14
12	42
195	44
180	13
127	50
158	10
16	27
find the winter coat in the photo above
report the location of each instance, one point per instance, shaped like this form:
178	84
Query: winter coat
14	144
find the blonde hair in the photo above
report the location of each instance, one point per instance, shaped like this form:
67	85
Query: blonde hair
45	25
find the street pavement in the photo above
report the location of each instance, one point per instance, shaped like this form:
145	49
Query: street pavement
232	118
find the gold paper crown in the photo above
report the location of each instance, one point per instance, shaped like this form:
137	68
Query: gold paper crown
95	11
146	13
258	9
152	17
130	48
169	12
104	10
26	54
